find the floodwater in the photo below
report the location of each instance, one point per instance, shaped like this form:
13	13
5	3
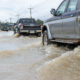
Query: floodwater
24	58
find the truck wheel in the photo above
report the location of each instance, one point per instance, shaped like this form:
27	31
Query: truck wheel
14	32
17	31
45	40
39	34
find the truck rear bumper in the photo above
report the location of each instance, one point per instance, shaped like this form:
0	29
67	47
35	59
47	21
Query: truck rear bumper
30	31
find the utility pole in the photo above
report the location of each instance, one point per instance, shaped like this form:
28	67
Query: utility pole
10	20
30	12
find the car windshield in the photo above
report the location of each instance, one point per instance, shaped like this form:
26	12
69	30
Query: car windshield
27	21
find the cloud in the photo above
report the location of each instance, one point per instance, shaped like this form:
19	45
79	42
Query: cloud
41	8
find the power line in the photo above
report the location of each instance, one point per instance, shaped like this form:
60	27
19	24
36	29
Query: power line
18	16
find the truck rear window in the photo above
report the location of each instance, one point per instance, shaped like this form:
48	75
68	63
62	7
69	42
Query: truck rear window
27	21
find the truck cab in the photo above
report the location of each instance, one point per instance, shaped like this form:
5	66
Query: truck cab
64	25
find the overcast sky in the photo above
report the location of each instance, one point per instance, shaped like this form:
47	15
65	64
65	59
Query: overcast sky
12	8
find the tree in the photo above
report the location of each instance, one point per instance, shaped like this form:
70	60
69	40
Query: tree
39	21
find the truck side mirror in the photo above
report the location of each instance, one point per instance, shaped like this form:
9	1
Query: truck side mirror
53	11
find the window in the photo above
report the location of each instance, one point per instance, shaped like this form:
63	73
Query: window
72	5
27	21
62	8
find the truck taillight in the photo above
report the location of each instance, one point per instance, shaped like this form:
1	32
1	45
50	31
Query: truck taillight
40	25
21	26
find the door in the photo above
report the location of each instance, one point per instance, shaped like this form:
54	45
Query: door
78	20
56	23
69	18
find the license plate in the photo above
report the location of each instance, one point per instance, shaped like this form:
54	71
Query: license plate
32	31
31	24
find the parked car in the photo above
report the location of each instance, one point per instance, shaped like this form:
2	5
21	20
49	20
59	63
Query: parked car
64	26
27	25
4	27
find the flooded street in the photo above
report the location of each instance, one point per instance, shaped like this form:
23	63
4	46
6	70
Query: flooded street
25	58
17	55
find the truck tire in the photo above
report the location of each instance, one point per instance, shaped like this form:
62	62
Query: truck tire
17	31
45	39
39	34
14	32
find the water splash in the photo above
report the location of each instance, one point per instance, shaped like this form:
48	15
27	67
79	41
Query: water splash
65	67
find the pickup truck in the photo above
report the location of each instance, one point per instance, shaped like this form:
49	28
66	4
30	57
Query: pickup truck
27	25
64	25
